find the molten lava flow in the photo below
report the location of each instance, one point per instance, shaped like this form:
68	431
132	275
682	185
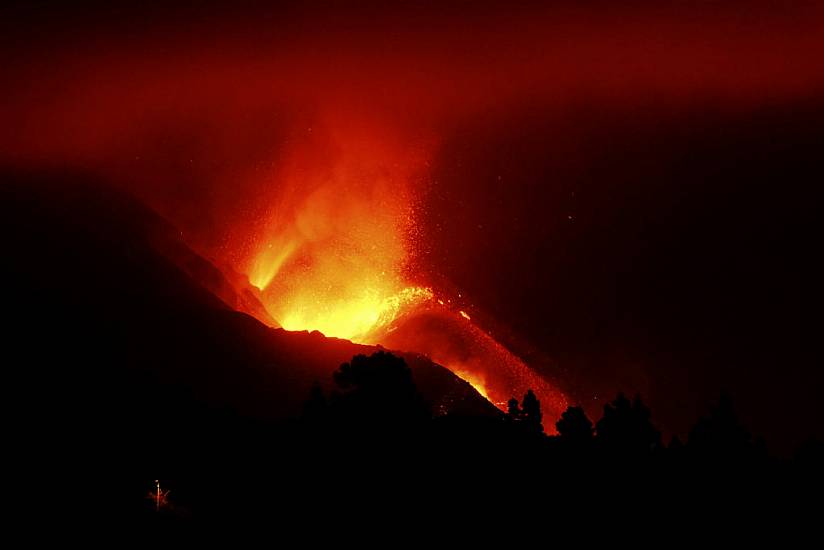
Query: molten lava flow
355	317
450	339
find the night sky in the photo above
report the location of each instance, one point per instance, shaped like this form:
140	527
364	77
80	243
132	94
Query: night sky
634	190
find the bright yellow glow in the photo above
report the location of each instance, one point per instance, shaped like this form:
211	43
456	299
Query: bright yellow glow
332	254
356	316
335	250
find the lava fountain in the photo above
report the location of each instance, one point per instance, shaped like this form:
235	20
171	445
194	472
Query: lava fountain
337	255
336	248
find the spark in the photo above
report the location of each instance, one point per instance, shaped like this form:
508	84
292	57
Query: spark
159	496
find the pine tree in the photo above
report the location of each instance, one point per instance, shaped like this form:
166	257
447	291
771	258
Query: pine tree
532	411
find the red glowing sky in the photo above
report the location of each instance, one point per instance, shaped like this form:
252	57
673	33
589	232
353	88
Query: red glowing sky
208	113
200	97
198	107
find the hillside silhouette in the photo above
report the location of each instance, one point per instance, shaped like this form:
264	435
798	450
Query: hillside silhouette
126	348
129	365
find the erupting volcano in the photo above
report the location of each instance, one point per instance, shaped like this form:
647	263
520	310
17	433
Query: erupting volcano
333	268
337	254
336	246
573	199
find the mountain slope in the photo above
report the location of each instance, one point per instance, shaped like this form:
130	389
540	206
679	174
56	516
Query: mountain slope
113	336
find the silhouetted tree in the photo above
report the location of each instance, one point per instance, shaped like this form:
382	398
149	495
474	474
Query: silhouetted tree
531	412
626	427
377	390
574	427
513	410
720	436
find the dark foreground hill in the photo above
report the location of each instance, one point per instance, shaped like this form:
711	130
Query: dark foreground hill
125	360
124	364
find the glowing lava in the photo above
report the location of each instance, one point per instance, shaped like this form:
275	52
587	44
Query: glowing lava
337	242
356	317
335	256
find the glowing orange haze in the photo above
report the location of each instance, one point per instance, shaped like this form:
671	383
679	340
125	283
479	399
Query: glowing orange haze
337	254
337	240
343	104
